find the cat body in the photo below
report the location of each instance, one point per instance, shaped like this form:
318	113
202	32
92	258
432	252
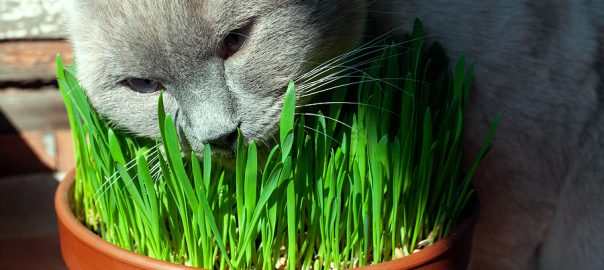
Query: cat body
540	62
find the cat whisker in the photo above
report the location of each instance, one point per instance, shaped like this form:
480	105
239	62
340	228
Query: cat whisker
315	85
369	44
322	133
275	139
158	173
155	167
327	66
321	67
348	103
365	62
266	144
386	81
330	118
319	89
313	93
110	181
156	158
335	76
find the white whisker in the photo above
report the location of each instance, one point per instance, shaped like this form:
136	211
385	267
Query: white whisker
322	133
330	118
344	85
367	45
327	66
348	103
331	78
110	181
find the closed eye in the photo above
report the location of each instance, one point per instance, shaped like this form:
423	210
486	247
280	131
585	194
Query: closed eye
143	86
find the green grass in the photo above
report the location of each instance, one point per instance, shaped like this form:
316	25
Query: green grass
346	186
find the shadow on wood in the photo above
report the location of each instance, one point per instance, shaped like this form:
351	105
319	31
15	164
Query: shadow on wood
18	155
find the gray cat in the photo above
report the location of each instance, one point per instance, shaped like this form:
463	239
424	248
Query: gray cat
224	64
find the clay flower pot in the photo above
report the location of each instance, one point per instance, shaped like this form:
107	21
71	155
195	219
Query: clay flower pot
450	253
83	249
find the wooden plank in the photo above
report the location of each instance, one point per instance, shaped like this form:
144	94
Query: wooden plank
32	110
32	19
28	231
26	153
38	138
36	152
31	60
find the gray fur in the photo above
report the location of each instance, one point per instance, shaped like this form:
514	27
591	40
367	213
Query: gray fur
175	42
539	61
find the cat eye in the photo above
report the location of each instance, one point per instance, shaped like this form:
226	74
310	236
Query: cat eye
143	86
234	41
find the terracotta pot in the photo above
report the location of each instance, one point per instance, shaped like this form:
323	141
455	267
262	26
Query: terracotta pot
450	253
83	249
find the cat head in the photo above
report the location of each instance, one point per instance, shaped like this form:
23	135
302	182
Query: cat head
222	65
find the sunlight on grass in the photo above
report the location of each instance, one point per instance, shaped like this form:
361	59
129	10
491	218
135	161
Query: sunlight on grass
346	186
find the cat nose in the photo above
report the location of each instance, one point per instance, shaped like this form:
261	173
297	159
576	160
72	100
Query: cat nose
225	141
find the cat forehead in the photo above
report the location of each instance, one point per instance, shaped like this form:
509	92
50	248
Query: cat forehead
151	35
209	10
200	21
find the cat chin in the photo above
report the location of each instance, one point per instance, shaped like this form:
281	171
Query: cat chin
195	146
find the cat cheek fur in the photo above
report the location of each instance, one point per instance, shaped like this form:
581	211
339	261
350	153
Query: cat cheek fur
115	40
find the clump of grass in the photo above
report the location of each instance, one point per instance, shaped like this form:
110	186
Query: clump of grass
348	187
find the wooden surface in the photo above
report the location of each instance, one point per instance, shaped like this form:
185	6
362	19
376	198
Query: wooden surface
36	152
29	110
23	61
28	225
35	135
32	19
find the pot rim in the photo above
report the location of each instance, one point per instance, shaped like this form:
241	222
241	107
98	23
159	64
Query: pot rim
430	253
67	218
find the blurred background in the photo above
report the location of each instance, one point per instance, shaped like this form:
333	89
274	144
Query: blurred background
35	142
